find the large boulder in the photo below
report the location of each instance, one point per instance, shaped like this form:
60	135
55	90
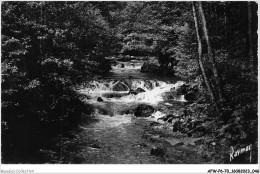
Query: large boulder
128	82
150	67
188	91
144	110
137	91
120	86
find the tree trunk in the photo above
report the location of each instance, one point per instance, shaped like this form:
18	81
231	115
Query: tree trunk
211	53
200	54
251	52
41	25
225	21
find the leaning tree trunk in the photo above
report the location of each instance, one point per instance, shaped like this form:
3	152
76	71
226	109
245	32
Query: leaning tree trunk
225	22
200	58
251	52
211	54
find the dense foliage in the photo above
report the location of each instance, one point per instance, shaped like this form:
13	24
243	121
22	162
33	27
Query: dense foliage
47	49
232	31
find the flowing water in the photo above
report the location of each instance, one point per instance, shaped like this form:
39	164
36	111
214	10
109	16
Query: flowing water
116	137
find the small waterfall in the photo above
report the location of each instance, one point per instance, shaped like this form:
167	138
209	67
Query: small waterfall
153	94
111	96
147	84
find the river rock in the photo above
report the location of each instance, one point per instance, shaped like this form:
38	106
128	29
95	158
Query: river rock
150	67
164	118
113	95
148	84
132	92
157	151
168	96
120	87
205	127
169	118
157	84
128	82
130	111
99	99
154	124
173	89
189	92
179	144
143	110
122	65
137	91
172	118
182	90
177	126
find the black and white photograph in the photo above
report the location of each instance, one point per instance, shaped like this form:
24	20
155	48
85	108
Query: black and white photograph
130	82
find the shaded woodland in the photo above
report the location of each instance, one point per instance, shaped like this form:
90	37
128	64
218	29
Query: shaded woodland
50	48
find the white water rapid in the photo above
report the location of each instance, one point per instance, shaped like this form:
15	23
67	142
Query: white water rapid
154	91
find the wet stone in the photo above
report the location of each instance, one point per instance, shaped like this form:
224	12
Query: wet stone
99	99
154	124
179	144
144	110
157	151
199	142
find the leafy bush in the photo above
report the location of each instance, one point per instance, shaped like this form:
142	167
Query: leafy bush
45	54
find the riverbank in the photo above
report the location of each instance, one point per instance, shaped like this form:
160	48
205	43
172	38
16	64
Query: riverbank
128	140
143	120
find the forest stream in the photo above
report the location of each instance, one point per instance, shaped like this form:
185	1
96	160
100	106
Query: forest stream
129	82
116	136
